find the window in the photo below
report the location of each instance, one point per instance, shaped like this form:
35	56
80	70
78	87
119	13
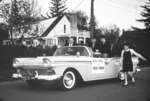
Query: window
71	51
64	28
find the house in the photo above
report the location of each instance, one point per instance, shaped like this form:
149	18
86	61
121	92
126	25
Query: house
56	31
60	29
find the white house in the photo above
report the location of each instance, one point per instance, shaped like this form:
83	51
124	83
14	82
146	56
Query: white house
59	29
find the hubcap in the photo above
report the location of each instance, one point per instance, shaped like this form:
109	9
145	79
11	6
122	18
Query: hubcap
69	79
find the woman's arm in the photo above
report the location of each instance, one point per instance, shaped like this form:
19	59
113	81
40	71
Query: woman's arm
137	54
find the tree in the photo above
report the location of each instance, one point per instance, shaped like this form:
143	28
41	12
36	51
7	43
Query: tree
3	31
82	20
58	8
146	15
19	15
111	32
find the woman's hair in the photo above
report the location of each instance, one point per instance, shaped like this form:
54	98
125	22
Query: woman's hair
126	43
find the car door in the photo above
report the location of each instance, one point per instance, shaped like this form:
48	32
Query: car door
104	68
97	68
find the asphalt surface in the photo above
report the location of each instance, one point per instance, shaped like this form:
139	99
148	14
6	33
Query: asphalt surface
106	90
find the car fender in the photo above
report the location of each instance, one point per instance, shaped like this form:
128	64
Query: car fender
61	70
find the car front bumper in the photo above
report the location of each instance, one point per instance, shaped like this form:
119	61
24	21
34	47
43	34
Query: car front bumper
38	77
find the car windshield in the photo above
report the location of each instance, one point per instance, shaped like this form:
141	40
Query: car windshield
91	51
71	51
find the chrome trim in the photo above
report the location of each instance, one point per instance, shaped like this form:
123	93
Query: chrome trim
39	77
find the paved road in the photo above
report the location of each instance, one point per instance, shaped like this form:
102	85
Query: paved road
107	90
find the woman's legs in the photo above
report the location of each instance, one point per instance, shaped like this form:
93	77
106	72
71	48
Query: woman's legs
132	77
126	78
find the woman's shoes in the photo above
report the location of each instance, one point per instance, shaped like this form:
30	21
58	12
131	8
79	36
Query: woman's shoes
133	81
125	84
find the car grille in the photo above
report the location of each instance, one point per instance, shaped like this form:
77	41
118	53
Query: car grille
28	73
32	72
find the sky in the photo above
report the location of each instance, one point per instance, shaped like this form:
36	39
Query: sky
123	13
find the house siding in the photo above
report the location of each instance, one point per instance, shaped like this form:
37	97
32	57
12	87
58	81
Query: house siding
58	30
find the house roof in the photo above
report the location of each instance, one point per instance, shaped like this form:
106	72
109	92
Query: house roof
52	25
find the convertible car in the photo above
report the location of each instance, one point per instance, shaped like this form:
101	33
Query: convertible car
67	67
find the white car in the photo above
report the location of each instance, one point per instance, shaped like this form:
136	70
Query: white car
67	67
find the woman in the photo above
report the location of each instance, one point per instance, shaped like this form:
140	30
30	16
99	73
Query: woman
127	64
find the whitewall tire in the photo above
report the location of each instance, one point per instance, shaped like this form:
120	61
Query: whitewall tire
68	80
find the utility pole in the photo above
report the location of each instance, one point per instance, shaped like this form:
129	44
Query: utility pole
11	15
10	26
92	20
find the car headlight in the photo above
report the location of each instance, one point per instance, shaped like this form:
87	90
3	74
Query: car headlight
46	62
17	70
15	62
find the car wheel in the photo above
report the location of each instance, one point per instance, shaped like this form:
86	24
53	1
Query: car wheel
68	80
